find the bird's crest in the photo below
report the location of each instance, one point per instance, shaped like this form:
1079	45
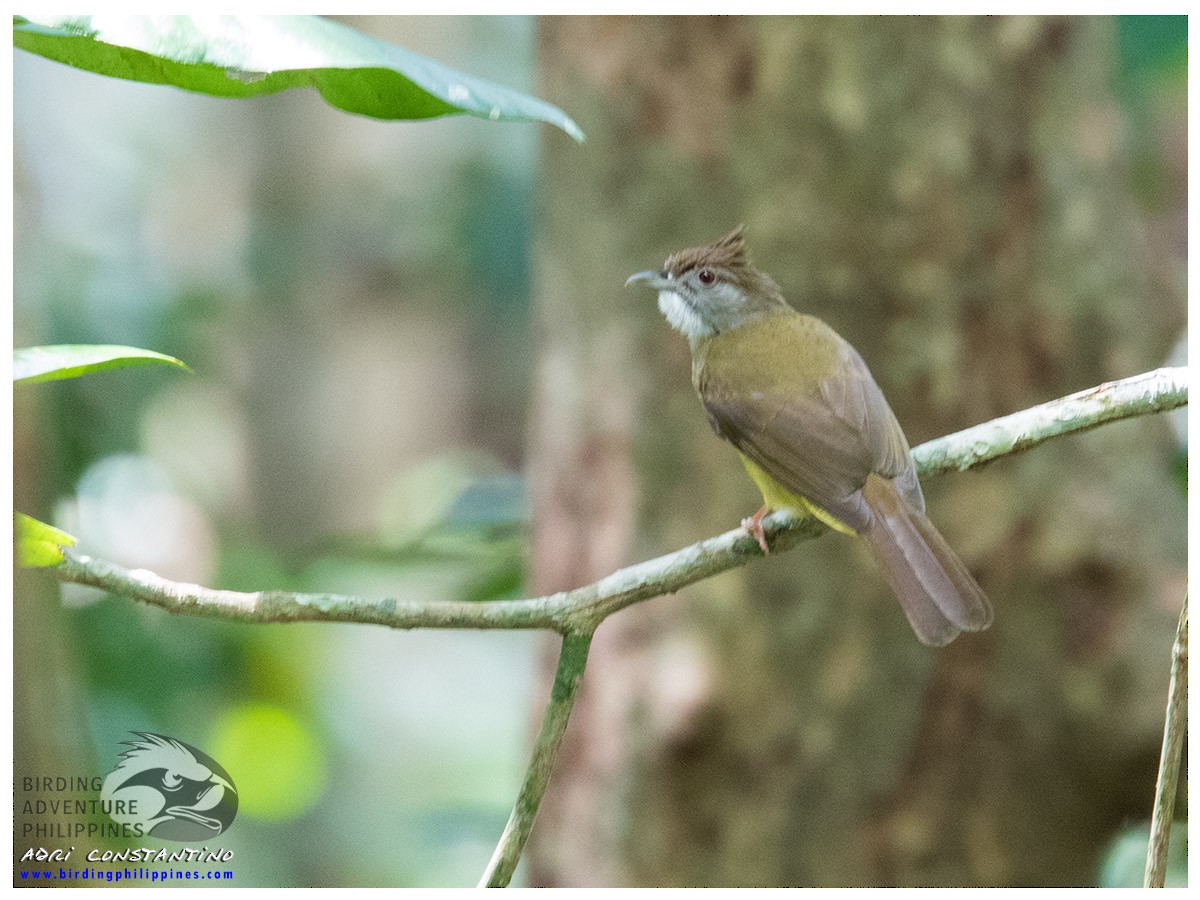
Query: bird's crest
727	253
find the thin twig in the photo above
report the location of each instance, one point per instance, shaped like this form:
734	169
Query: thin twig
582	609
1168	764
571	662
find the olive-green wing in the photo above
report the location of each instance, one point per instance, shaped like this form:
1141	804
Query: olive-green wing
819	437
857	398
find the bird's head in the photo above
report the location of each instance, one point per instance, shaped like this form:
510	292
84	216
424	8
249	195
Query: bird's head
704	291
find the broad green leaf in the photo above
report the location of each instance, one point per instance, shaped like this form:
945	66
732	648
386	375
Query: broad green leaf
38	544
72	360
246	56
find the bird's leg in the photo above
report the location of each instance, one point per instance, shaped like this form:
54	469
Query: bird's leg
753	524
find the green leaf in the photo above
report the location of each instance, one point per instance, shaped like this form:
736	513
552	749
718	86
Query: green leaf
247	56
39	544
51	363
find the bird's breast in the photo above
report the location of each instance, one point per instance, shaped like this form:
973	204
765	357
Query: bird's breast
768	360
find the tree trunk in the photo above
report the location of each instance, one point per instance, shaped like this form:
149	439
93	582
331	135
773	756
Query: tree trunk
951	196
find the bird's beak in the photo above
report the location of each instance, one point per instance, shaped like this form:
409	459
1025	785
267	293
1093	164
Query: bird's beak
651	279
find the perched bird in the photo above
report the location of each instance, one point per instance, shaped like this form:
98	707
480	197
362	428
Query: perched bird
812	427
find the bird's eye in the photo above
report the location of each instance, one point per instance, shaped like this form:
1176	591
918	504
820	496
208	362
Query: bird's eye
707	276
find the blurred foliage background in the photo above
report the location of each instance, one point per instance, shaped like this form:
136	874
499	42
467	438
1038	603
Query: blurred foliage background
353	297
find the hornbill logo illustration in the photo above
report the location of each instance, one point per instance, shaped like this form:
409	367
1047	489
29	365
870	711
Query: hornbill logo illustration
169	788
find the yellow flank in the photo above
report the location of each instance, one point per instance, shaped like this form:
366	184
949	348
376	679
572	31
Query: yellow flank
776	496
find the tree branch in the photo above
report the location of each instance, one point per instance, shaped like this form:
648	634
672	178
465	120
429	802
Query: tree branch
1168	765
582	609
571	662
1150	392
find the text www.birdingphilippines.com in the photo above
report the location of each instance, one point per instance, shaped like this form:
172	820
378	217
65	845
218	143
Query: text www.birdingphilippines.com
90	874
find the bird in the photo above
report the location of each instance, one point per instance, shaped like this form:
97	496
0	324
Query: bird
813	429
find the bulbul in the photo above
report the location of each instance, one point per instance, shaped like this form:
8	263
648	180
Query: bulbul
812	427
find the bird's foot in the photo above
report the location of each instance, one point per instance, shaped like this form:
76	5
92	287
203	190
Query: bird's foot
753	524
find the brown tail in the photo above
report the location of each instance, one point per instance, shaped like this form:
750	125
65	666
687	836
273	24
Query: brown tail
938	594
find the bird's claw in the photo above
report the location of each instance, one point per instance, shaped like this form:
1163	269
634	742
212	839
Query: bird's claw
753	525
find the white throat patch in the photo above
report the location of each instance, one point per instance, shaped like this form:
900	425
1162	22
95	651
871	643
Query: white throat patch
681	316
